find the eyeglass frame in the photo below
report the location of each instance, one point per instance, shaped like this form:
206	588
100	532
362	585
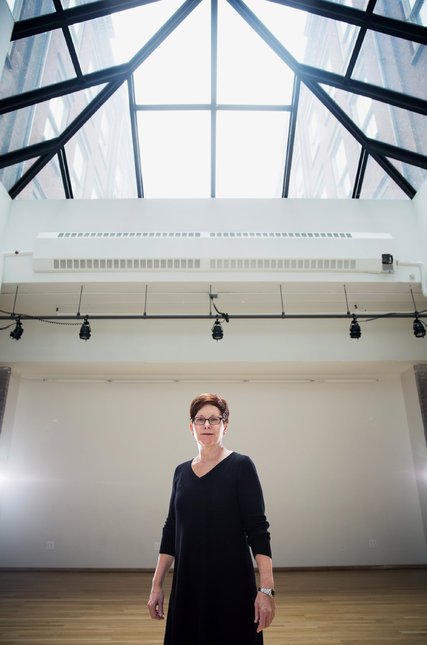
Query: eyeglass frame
213	416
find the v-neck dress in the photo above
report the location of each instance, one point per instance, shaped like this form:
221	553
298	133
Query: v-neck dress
214	521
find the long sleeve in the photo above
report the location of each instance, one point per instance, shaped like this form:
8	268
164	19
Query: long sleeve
251	502
167	544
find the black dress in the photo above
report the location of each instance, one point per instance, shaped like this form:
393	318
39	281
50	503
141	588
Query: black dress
212	522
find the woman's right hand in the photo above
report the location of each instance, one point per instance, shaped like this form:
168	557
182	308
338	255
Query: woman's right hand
155	604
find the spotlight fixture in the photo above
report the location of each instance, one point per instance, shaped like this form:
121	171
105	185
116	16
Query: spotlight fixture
387	262
85	329
18	331
355	331
217	333
419	328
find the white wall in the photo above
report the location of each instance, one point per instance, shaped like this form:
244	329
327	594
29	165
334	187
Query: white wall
89	467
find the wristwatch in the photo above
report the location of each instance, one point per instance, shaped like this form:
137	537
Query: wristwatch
268	592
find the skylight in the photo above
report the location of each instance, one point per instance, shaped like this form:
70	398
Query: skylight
215	98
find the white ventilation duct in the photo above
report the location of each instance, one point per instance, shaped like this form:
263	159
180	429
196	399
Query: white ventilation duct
212	252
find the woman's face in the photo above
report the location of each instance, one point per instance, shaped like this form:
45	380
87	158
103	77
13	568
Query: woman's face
208	434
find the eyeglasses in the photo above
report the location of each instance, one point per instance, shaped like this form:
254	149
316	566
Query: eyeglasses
213	421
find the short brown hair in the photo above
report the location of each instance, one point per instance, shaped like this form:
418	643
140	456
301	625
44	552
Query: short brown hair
209	399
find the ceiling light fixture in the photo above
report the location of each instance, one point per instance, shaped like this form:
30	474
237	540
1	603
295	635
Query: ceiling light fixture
217	331
355	331
85	331
17	332
418	325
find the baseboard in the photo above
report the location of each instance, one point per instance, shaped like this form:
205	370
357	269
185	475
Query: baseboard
362	567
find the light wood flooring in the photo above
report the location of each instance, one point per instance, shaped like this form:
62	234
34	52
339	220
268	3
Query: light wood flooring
354	607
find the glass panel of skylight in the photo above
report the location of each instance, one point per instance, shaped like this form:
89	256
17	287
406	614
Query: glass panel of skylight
376	64
11	174
23	10
310	39
68	4
249	72
175	153
35	62
325	155
415	175
285	23
251	148
354	4
382	121
42	121
377	184
178	71
116	38
47	184
408	10
100	157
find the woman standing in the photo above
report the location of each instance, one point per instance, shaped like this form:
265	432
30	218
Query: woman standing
216	516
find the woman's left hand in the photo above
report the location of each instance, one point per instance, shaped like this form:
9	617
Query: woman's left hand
264	610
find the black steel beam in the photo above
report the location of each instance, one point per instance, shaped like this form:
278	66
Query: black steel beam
19	101
360	174
23	181
291	137
359	42
135	138
90	11
65	174
374	92
397	177
30	152
68	39
376	22
395	152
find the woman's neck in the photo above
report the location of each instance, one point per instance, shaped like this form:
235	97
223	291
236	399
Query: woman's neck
210	453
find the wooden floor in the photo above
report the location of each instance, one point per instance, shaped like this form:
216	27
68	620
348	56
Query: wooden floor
373	607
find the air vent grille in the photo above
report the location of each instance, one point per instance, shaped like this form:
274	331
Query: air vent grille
194	234
197	264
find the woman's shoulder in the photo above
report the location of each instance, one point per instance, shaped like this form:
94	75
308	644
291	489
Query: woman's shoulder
183	466
243	459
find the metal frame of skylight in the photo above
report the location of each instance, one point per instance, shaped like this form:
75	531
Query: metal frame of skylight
310	76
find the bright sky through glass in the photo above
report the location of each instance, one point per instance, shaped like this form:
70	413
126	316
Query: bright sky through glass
176	145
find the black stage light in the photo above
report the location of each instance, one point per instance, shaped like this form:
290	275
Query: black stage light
18	331
355	331
419	328
85	330
217	333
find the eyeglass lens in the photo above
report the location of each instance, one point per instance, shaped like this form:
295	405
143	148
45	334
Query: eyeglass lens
213	421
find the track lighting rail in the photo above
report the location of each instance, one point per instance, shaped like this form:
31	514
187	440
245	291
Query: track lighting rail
297	316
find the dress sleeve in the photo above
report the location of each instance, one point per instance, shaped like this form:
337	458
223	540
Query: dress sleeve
251	503
167	544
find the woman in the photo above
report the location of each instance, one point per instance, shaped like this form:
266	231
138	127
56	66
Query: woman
216	513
